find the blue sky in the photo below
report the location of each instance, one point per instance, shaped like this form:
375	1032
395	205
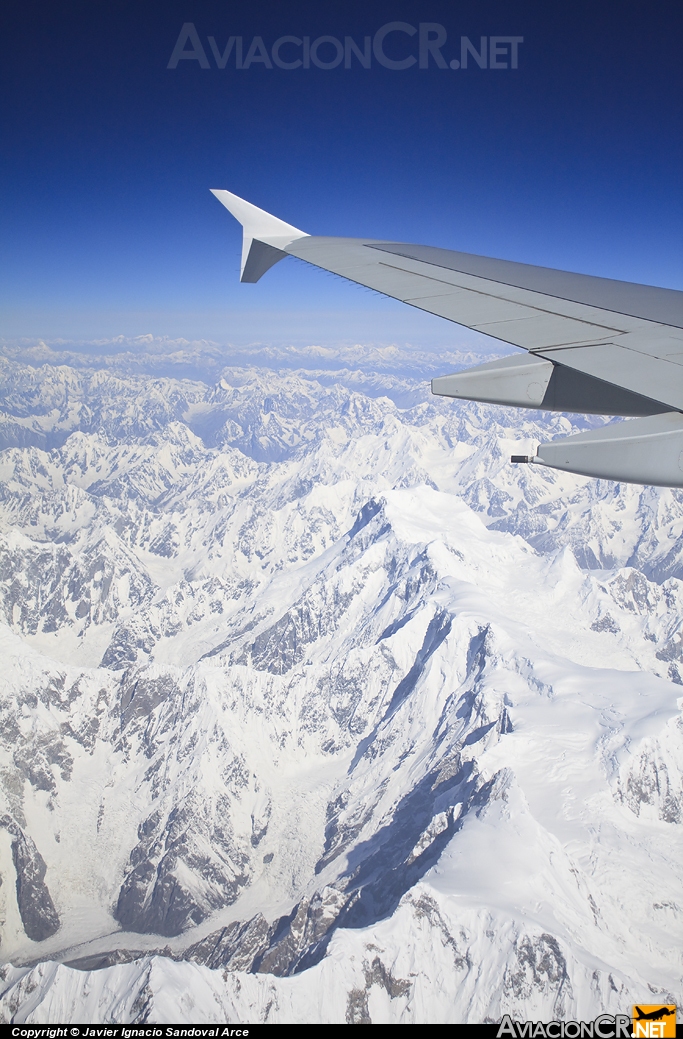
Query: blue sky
572	160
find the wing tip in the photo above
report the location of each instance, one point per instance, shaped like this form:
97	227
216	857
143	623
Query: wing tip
258	227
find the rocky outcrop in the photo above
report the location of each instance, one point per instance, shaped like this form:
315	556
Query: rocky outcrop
36	908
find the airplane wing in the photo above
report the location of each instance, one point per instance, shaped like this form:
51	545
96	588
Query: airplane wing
593	345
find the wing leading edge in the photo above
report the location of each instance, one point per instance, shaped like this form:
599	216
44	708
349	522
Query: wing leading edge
594	345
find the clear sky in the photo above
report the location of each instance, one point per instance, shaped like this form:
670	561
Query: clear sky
572	160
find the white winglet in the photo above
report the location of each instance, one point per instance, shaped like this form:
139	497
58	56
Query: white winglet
265	236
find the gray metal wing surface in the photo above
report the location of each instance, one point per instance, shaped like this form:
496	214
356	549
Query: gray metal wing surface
593	344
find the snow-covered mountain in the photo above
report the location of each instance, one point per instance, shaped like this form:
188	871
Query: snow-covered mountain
314	708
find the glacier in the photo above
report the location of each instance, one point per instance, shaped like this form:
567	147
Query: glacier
314	708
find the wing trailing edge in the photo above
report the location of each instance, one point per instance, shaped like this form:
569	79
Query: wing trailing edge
594	345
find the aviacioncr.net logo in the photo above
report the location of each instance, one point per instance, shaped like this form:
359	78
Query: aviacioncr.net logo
654	1021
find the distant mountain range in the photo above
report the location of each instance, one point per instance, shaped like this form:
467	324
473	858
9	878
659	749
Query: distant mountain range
314	708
